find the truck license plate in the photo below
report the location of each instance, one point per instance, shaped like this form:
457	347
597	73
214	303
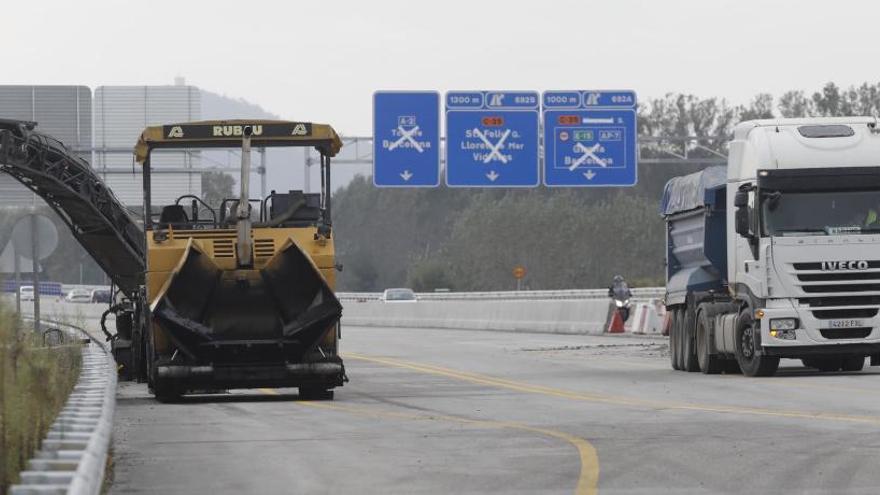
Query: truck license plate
845	323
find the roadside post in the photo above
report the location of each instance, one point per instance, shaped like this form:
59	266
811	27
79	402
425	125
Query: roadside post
37	236
519	272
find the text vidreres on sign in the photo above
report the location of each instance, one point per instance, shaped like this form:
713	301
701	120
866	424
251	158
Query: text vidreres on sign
406	138
492	139
590	138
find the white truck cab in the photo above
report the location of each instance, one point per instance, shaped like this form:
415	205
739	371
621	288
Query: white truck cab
809	260
802	249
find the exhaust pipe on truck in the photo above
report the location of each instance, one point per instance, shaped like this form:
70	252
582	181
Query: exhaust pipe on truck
243	226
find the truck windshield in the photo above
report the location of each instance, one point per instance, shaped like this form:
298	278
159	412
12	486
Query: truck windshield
820	213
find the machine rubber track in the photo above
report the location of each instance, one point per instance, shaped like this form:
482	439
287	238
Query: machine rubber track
69	185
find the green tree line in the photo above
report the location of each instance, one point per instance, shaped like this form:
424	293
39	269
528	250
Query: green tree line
566	238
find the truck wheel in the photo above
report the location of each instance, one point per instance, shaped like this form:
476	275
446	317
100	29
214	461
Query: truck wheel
673	339
731	367
853	363
709	364
747	356
679	340
315	393
689	347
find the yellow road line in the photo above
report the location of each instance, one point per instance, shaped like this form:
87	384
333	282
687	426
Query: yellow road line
588	479
608	399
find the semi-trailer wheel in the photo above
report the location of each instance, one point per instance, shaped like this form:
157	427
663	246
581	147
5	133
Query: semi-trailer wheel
673	339
750	362
679	339
689	348
709	364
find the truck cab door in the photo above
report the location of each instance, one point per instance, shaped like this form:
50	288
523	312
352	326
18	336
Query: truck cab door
746	267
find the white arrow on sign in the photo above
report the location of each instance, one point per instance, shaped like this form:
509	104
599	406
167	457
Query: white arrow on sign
406	136
406	175
493	175
494	149
587	153
589	174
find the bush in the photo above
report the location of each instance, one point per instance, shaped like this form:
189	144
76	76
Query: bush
35	382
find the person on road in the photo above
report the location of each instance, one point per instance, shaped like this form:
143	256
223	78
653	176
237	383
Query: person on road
619	289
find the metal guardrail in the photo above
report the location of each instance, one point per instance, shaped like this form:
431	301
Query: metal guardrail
638	294
73	455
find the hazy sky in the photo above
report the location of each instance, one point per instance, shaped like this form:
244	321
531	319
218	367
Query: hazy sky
321	60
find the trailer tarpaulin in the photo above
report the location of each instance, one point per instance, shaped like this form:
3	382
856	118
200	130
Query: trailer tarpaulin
688	192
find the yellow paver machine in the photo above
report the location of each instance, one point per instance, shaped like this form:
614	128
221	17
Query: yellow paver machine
241	296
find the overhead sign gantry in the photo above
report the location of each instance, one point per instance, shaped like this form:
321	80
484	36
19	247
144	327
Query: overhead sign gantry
492	138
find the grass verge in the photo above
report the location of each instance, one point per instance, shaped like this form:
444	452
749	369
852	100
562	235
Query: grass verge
35	382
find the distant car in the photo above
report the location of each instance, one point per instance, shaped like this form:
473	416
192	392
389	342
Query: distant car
79	296
26	292
399	295
101	296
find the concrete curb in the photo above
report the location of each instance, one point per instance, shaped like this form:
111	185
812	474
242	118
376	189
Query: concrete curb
73	456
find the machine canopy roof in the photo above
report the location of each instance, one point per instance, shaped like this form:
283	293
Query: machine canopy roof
228	133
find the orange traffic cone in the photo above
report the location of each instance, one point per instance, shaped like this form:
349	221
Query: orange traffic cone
616	323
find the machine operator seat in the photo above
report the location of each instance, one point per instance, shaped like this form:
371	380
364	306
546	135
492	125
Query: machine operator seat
173	216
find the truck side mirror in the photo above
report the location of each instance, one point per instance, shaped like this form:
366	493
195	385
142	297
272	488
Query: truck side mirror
742	221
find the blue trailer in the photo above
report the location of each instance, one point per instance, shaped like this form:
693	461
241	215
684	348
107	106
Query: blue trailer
695	209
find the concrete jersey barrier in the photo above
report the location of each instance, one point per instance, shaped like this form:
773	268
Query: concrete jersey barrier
587	317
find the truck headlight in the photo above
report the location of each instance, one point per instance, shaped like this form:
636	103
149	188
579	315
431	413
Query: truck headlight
783	328
783	323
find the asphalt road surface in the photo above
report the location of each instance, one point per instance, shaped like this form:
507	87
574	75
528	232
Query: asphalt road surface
439	411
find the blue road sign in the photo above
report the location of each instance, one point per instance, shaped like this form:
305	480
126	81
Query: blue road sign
406	139
492	139
590	138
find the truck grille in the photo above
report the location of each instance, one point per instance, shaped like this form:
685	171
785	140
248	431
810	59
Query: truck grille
812	279
839	307
845	333
839	294
831	314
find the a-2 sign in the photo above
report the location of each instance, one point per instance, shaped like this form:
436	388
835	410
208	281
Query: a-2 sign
590	138
406	138
492	139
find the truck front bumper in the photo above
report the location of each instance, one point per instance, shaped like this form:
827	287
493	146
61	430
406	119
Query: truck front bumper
812	334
